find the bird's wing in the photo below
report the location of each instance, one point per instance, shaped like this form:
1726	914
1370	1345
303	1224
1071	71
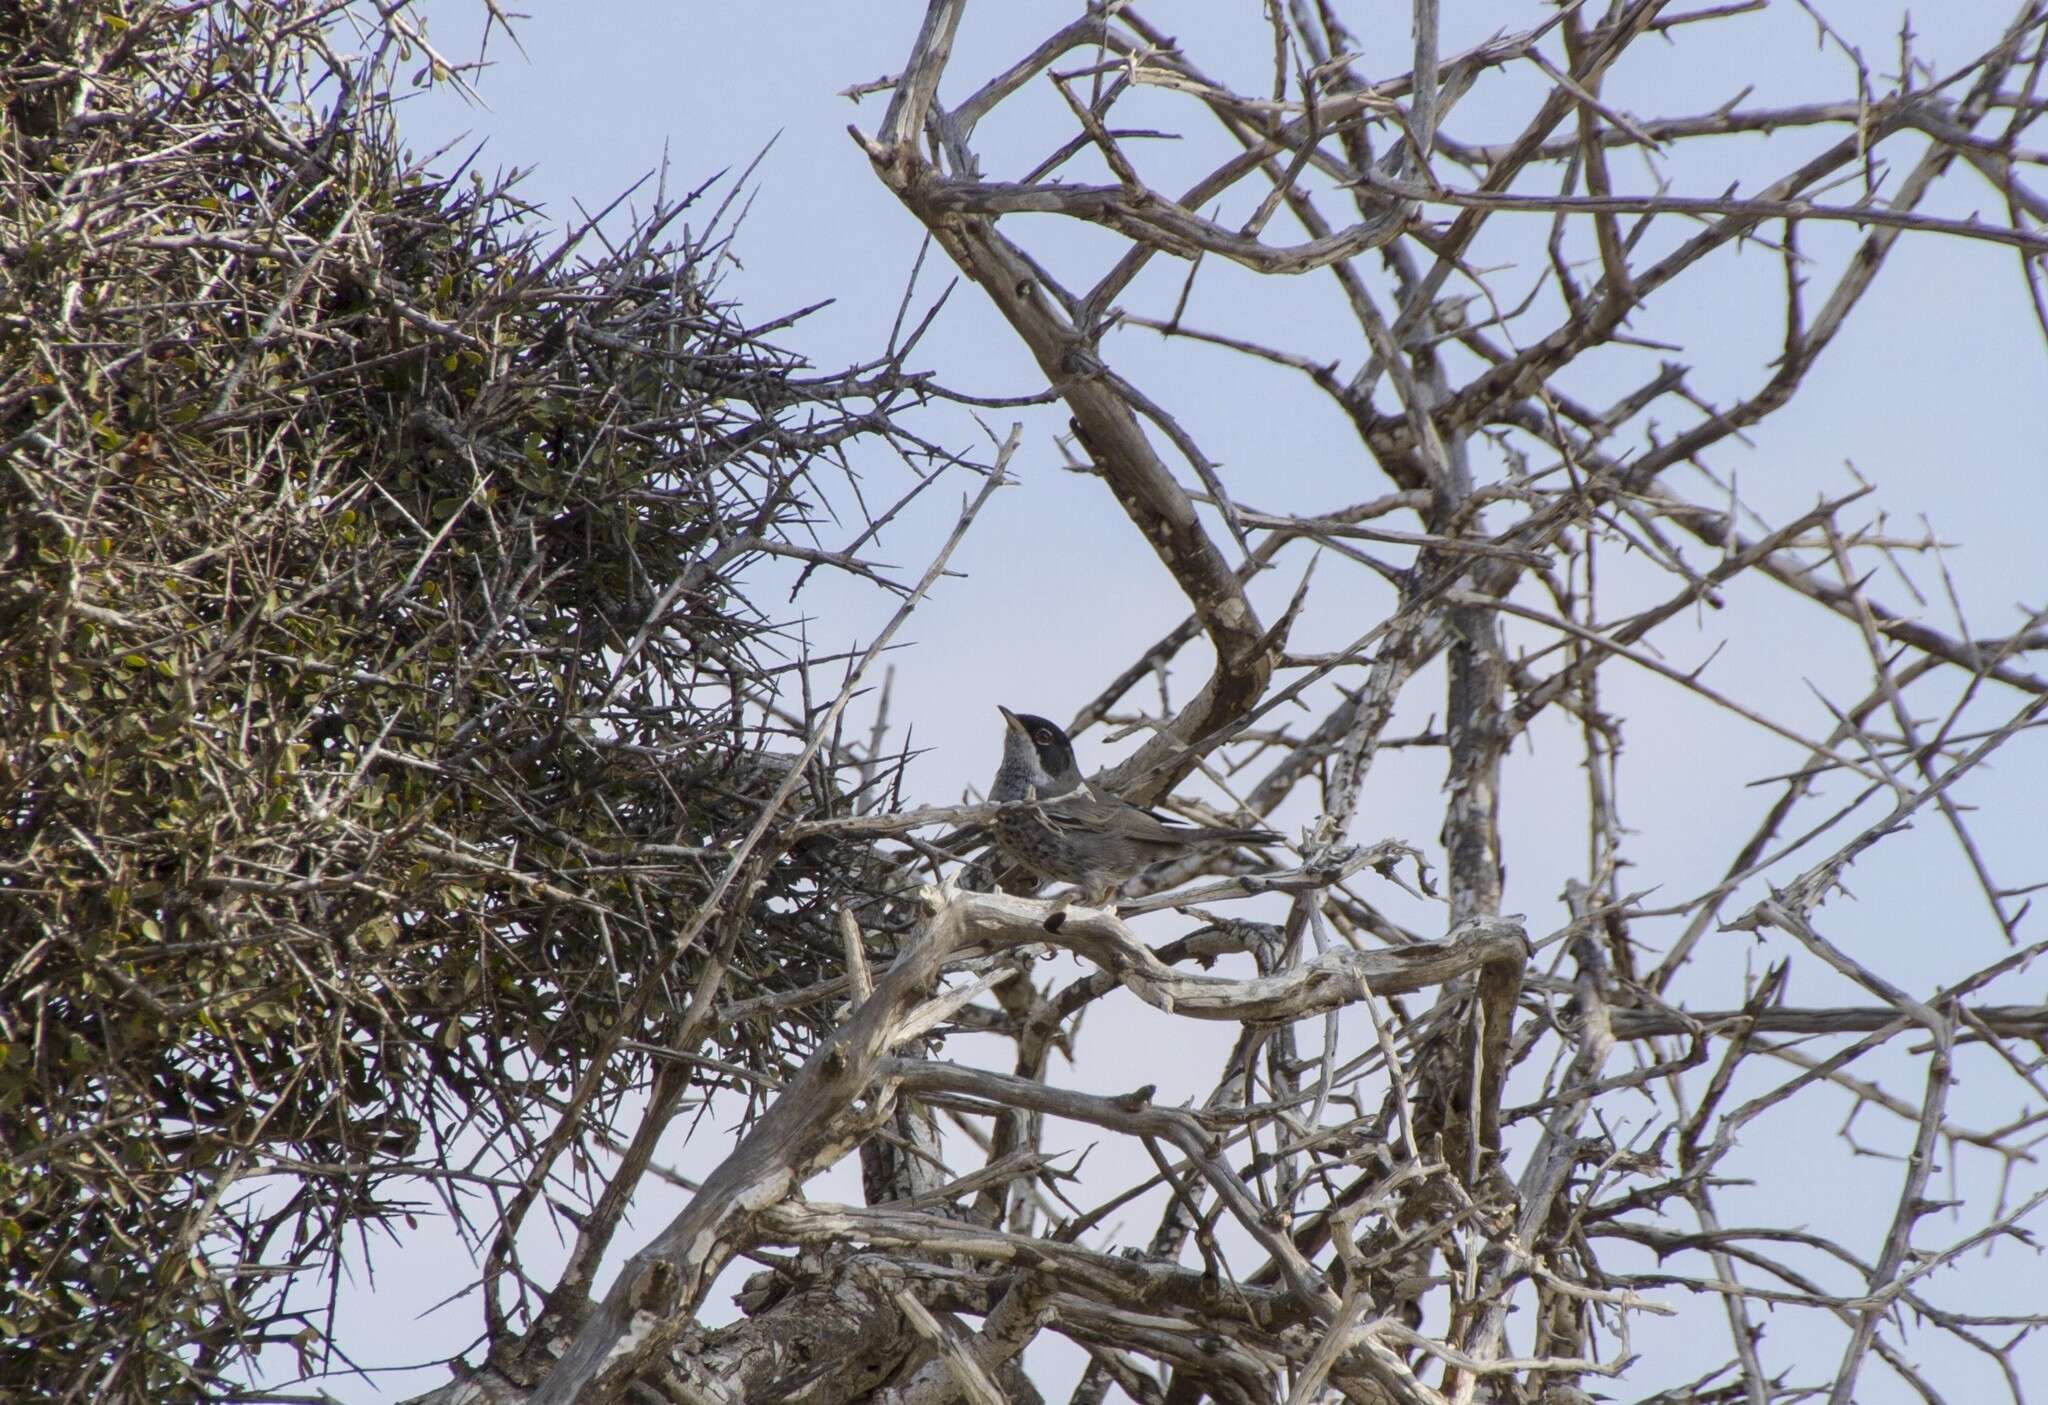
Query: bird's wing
1084	811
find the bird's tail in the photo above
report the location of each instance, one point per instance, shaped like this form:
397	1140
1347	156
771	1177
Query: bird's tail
1243	836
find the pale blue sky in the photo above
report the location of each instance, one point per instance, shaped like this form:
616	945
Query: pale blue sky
1938	392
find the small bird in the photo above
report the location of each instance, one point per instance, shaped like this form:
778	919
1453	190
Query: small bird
1067	832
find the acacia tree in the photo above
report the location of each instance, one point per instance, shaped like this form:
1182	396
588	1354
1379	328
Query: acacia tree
1442	1160
382	720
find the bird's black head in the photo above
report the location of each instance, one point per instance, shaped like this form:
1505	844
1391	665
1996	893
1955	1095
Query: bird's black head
1050	748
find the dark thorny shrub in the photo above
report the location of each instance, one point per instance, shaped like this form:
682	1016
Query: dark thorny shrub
379	697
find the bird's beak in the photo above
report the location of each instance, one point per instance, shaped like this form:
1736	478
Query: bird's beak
1010	718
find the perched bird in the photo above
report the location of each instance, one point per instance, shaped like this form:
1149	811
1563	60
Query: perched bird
1070	833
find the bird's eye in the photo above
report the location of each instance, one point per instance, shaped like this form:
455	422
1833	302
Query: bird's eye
1045	738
